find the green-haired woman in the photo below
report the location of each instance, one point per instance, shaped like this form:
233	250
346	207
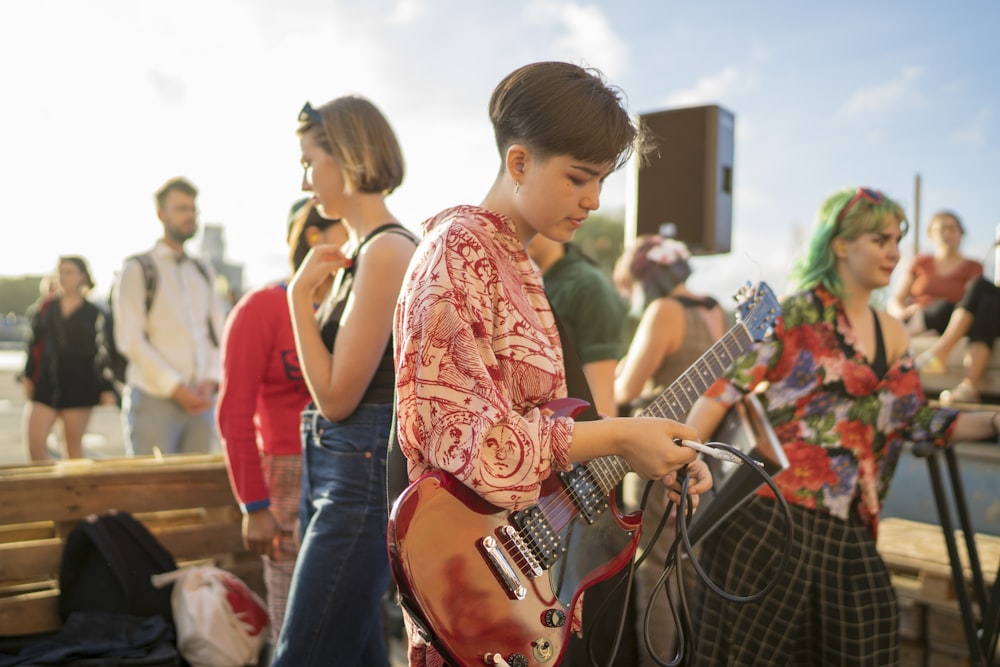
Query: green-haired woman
843	397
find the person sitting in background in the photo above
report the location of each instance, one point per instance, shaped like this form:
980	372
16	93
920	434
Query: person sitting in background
676	327
64	382
934	282
261	398
977	315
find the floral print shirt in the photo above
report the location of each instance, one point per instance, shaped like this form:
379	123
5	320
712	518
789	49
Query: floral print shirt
841	426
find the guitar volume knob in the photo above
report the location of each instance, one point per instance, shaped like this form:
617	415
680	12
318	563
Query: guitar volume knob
517	660
554	618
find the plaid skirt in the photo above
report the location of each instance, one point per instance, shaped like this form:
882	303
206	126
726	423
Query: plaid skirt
834	603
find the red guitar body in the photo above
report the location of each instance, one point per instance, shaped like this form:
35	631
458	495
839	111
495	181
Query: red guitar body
445	568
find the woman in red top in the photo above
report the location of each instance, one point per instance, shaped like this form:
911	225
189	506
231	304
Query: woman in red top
935	282
261	397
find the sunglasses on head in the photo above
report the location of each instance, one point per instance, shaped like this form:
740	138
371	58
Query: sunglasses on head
308	113
874	196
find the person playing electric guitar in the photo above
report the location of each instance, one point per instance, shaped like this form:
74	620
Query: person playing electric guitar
478	355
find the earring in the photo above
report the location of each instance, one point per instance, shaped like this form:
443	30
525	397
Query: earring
312	238
517	186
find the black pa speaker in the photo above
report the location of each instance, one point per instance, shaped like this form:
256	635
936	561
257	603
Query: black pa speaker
688	180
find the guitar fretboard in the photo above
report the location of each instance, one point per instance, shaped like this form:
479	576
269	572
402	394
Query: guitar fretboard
677	399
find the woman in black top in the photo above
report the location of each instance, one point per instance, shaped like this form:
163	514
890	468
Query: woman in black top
352	161
68	383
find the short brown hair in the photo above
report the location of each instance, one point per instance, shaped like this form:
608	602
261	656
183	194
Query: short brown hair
178	183
356	133
558	108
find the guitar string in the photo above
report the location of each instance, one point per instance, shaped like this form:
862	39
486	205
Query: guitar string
559	508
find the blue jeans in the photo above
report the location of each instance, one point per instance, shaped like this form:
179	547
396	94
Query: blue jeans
342	571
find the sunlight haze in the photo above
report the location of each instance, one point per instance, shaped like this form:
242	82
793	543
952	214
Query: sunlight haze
103	100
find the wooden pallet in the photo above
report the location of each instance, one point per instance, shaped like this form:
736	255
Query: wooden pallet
185	501
931	626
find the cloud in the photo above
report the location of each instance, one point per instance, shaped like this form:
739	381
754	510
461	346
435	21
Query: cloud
170	89
887	96
750	197
707	89
407	11
973	133
588	35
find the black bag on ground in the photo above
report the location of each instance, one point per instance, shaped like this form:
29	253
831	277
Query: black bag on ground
106	567
98	639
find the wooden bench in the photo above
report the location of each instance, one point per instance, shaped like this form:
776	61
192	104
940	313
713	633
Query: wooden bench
185	501
935	383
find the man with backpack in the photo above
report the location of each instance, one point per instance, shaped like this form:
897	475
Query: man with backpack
167	317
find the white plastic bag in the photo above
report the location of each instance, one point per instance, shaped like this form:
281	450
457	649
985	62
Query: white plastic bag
220	622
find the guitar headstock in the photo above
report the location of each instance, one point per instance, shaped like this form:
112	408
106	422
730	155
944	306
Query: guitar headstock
757	308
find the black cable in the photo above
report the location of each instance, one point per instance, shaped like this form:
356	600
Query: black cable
682	546
673	566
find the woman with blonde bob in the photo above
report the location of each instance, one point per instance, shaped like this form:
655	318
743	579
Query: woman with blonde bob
352	162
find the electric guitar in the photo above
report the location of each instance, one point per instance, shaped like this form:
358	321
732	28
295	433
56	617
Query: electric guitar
489	586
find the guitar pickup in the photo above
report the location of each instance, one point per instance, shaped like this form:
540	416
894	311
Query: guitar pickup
589	498
535	531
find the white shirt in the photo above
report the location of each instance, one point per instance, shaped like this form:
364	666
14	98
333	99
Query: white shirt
172	344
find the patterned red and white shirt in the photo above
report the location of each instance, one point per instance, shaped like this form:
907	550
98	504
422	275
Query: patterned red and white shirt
478	357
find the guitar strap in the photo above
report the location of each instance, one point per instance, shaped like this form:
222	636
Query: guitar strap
397	478
576	381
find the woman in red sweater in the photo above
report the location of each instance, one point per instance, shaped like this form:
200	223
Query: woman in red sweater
261	397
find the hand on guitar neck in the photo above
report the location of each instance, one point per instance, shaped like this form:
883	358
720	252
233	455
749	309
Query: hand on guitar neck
646	443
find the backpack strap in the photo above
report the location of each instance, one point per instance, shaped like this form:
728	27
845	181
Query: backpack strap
145	260
203	270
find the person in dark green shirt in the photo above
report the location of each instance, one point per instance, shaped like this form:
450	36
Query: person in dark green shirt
591	311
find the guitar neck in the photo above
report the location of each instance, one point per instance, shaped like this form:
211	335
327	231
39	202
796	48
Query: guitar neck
677	399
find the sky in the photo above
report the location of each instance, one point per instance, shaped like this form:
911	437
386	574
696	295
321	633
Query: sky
103	100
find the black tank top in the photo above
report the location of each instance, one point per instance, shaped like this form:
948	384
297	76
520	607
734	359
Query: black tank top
880	364
380	389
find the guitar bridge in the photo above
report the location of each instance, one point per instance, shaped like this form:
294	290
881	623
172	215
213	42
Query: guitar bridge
502	569
515	545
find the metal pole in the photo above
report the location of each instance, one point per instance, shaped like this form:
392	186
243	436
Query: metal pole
916	215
